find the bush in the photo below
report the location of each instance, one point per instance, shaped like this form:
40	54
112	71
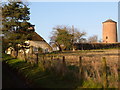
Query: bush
91	84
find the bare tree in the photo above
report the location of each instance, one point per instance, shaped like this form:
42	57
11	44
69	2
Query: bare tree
93	39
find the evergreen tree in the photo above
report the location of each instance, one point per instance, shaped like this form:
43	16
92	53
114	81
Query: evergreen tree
15	17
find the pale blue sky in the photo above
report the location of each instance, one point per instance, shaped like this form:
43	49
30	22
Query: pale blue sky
86	16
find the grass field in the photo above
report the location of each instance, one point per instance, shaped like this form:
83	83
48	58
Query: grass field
38	76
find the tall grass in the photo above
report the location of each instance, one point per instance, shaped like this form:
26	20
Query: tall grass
54	74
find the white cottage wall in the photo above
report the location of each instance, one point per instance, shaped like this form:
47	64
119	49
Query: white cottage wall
41	44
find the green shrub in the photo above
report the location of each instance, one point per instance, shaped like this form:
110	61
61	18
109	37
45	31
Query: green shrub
91	84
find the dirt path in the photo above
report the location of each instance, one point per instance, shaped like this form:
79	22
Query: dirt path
10	79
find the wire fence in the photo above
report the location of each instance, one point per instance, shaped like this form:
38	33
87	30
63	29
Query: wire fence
99	68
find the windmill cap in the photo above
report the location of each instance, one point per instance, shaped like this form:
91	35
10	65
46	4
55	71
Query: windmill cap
109	20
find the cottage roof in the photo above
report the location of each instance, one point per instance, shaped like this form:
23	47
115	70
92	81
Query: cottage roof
109	20
36	37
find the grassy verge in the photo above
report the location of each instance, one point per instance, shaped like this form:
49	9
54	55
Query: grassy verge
39	77
78	52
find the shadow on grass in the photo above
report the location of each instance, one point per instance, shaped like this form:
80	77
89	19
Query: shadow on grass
51	79
47	78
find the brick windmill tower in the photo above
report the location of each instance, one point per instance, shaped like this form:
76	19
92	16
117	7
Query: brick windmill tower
109	31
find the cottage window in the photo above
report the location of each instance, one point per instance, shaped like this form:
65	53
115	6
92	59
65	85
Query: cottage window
35	49
106	37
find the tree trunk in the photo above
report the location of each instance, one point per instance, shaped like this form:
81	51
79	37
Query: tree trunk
60	49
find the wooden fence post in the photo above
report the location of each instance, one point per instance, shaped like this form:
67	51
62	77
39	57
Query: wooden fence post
80	70
57	57
43	57
64	66
51	57
105	81
51	61
64	60
37	58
